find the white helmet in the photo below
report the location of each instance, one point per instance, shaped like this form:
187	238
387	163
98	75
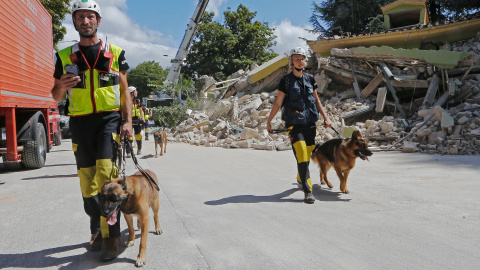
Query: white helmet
299	51
86	5
132	89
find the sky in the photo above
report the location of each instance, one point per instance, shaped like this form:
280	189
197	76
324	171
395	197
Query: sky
153	29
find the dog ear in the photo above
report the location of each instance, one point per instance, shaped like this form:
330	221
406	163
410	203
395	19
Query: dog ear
123	184
356	135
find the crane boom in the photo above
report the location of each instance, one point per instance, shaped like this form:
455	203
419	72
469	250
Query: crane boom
177	62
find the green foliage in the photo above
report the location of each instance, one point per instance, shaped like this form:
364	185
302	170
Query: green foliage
446	9
358	16
145	75
219	50
341	16
58	9
375	24
173	115
148	77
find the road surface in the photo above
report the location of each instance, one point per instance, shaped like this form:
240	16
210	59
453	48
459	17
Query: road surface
241	209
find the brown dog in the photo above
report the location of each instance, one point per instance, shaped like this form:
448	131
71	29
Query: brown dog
340	154
160	138
133	196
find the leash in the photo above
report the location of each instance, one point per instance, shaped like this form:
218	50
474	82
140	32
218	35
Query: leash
341	137
126	143
276	131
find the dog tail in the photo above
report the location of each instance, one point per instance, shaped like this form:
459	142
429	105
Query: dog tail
313	156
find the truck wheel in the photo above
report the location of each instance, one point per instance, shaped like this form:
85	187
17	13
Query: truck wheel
56	138
35	151
11	166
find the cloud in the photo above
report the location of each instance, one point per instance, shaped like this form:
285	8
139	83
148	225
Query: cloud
214	6
140	44
288	36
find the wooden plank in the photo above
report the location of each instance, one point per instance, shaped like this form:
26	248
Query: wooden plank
372	85
361	78
355	84
410	83
381	97
432	91
442	99
385	70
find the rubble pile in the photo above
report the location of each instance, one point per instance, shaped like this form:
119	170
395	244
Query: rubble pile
401	103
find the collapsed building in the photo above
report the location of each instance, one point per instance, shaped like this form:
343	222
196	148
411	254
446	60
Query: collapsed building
399	96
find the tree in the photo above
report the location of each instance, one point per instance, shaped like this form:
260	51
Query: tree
357	16
219	50
446	9
147	77
57	9
341	16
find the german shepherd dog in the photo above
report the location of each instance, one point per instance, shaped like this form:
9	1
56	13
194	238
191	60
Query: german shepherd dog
340	154
160	138
133	196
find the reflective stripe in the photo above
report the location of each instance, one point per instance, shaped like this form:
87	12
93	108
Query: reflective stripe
104	227
309	181
8	93
93	178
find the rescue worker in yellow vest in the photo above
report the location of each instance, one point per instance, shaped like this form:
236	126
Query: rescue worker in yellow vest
138	120
147	114
91	75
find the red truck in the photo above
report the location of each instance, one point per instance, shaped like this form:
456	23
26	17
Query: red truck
29	117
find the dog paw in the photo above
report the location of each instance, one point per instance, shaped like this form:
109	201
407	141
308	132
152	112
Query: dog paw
129	243
330	185
140	263
156	156
158	232
346	191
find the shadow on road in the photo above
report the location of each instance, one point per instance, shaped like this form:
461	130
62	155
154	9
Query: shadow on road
280	197
51	176
327	195
53	257
148	156
319	193
55	165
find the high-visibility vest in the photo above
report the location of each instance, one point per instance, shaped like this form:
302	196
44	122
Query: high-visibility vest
99	89
147	113
136	111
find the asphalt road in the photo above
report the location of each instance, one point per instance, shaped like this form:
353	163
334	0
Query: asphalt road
241	209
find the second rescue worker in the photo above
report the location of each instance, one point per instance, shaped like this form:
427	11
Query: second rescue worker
92	76
138	120
298	97
147	114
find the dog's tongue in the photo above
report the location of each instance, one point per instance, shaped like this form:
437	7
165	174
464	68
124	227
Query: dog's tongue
365	157
112	218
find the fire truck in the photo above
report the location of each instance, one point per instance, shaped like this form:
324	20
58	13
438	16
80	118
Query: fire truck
29	117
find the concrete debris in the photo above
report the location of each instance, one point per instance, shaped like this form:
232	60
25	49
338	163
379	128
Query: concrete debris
442	106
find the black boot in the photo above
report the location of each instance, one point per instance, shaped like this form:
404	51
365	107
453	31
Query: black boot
109	248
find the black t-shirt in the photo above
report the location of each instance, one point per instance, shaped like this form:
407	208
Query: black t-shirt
90	53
